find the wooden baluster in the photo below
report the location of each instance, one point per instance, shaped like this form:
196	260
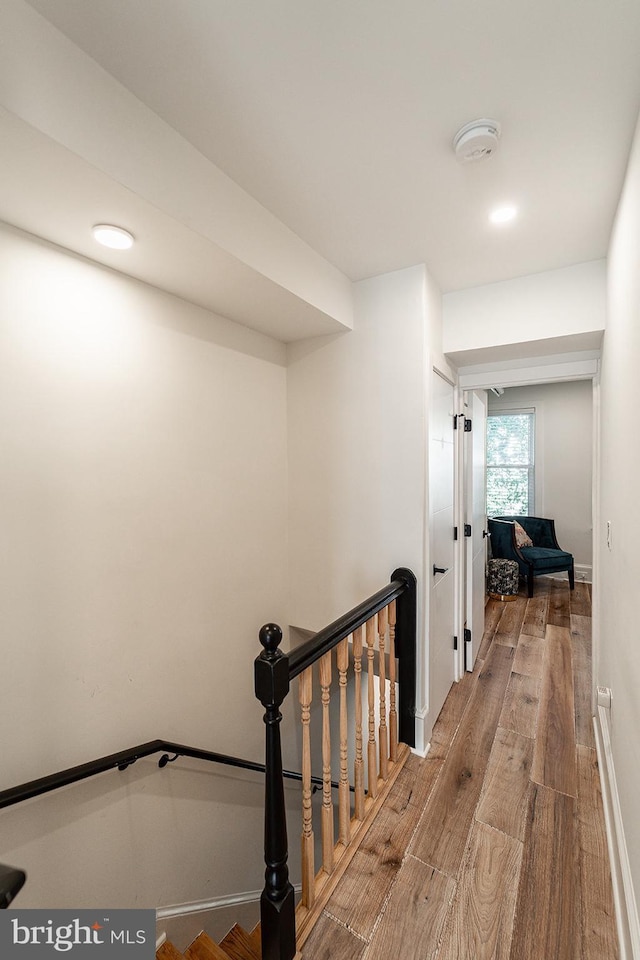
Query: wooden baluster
383	737
305	693
372	765
327	802
358	771
344	798
393	714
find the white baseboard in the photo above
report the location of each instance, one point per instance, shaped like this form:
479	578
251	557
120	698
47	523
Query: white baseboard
583	573
623	892
205	906
423	732
182	922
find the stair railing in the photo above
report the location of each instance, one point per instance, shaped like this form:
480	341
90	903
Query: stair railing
384	624
11	882
126	758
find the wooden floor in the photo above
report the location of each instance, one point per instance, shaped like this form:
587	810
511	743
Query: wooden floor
494	845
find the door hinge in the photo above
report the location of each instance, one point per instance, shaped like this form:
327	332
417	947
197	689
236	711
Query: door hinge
467	635
467	529
455	643
467	425
455	533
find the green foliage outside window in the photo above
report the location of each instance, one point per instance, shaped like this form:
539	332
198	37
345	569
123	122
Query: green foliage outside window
510	477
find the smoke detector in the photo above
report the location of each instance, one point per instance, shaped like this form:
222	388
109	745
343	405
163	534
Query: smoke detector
477	140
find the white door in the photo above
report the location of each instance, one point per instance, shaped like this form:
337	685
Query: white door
441	523
475	517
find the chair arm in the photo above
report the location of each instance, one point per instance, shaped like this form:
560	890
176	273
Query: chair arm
503	540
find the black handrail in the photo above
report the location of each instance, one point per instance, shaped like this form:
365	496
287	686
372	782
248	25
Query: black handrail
124	759
11	882
326	639
274	671
402	588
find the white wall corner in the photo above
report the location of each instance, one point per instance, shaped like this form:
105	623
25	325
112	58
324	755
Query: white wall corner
624	897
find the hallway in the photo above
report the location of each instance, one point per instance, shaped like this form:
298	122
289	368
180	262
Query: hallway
494	845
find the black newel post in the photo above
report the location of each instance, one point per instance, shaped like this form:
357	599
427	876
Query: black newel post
406	638
277	906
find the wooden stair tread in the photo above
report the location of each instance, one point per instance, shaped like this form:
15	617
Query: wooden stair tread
256	940
238	945
167	951
204	948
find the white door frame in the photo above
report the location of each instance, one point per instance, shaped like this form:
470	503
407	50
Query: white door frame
474	549
459	557
543	371
431	559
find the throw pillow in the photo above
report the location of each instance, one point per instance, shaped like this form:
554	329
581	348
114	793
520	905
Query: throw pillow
522	537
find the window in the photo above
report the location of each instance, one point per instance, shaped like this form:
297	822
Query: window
510	463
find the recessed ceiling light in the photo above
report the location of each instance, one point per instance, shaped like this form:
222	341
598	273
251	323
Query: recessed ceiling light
114	237
503	214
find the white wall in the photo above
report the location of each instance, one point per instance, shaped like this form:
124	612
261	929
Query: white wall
564	455
357	451
143	512
619	647
565	306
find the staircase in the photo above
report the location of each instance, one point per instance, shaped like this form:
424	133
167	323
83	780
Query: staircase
379	631
237	945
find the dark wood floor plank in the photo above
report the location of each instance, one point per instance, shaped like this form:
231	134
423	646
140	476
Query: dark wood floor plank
581	654
528	658
372	872
554	755
452	711
520	709
510	625
414	917
559	604
580	600
480	923
535	618
441	837
599	938
547	922
505	794
492	613
331	941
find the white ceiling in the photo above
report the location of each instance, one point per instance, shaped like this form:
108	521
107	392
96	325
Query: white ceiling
338	116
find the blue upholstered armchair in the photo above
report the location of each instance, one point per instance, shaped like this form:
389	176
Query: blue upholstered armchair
545	556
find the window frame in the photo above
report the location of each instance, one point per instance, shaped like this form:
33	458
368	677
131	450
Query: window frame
533	466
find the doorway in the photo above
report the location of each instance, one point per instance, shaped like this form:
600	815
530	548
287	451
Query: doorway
564	458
